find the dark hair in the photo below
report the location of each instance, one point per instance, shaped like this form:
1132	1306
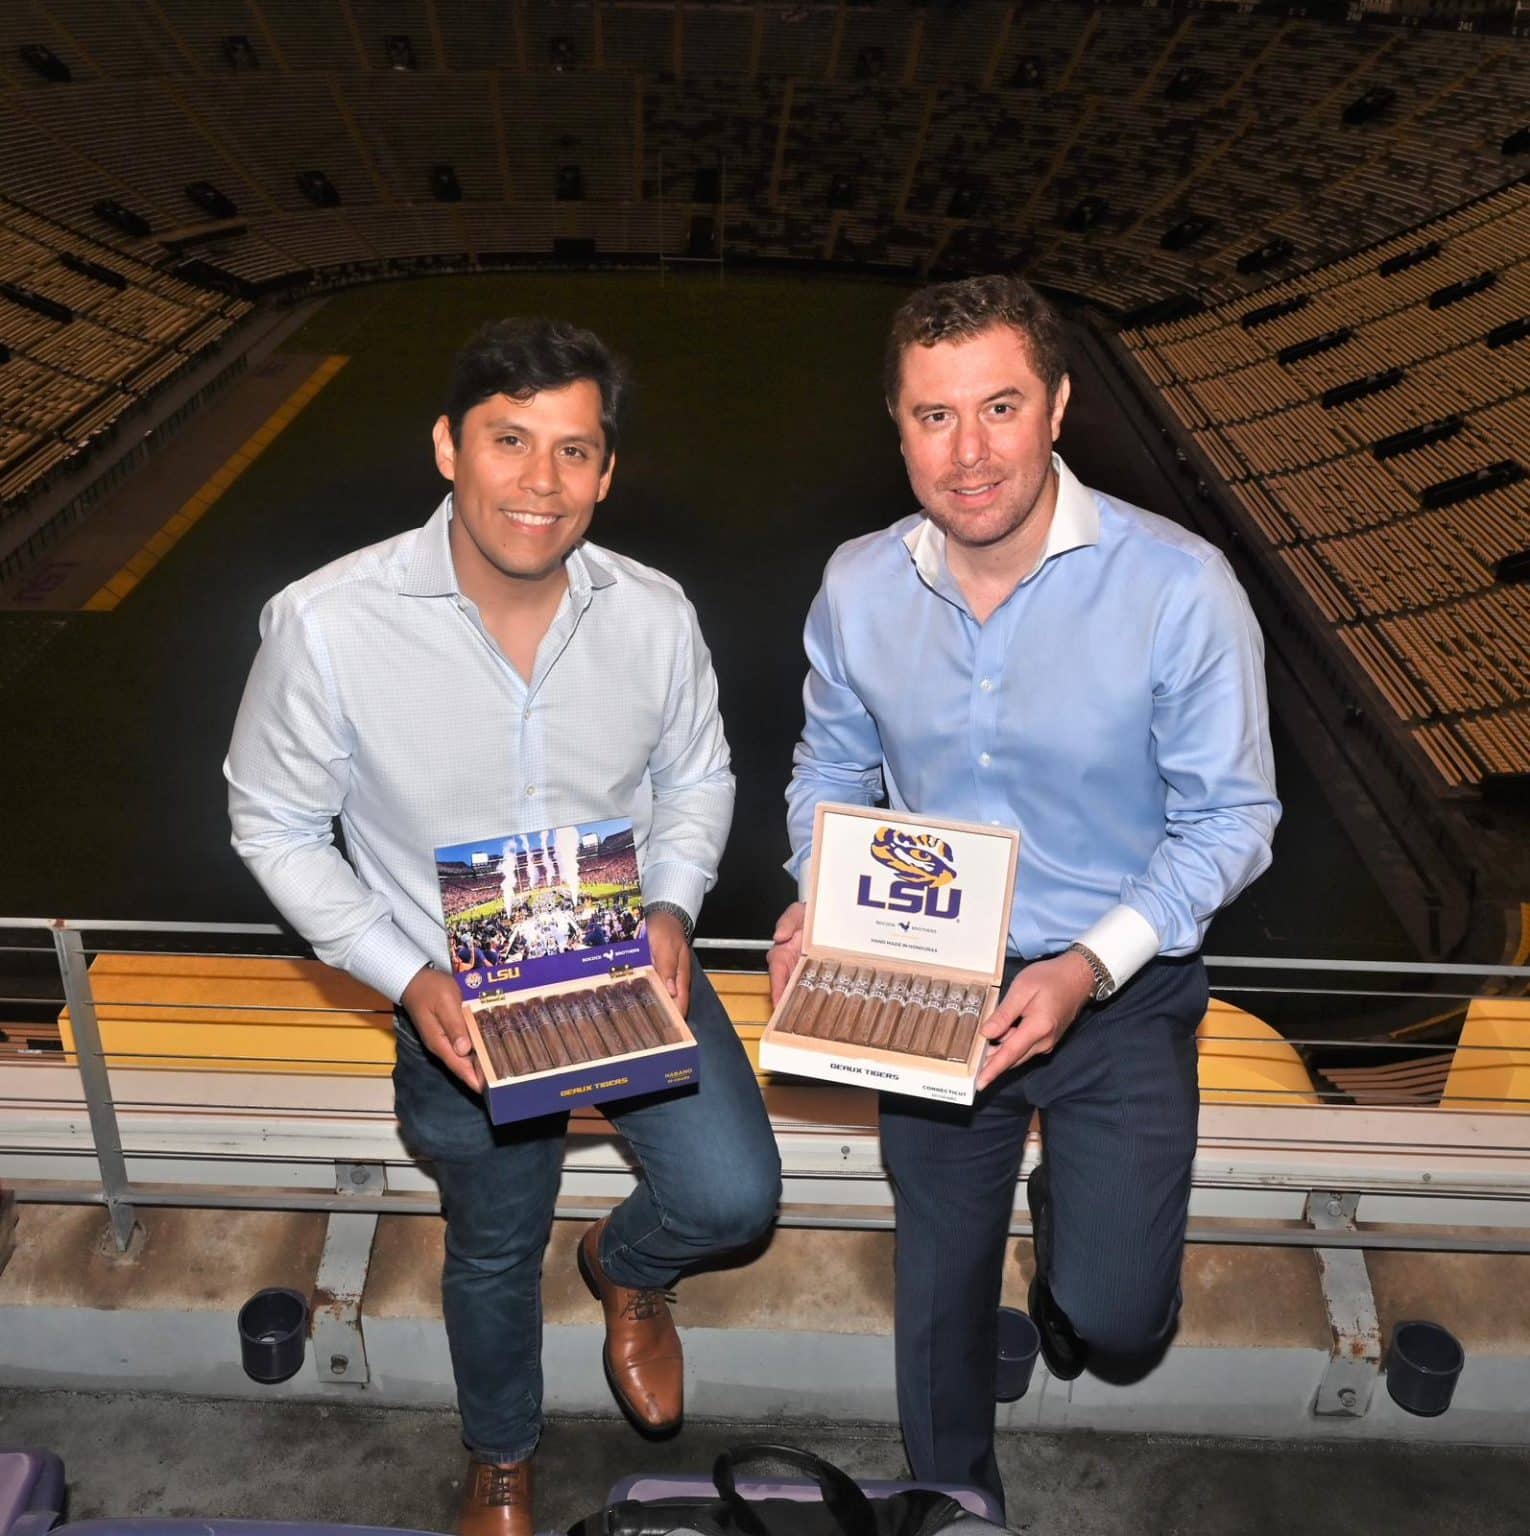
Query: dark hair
522	357
961	310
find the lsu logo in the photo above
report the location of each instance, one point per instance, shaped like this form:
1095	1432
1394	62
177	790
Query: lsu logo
925	867
920	860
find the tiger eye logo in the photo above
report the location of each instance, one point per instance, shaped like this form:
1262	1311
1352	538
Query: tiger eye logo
921	859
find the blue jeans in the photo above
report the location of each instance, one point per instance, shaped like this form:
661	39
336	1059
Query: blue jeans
1119	1102
712	1179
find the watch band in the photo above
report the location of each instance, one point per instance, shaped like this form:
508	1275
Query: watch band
687	927
1104	982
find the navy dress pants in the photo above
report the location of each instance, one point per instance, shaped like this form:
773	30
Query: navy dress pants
711	1181
1119	1101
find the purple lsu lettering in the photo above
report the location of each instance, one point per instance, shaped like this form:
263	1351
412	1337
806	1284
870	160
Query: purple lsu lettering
905	896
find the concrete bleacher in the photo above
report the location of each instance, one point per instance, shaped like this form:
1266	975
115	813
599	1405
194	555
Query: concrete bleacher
1410	588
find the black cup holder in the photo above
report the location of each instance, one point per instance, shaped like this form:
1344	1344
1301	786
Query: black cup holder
273	1332
1018	1344
1423	1367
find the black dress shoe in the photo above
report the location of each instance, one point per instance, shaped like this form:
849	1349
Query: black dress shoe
1038	1196
1064	1352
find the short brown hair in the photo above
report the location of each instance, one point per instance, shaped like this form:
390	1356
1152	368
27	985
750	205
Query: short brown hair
961	310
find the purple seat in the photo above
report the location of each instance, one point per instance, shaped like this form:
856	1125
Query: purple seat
31	1492
152	1525
646	1489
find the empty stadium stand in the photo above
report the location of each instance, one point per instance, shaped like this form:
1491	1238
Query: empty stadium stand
1393	507
1033	109
111	328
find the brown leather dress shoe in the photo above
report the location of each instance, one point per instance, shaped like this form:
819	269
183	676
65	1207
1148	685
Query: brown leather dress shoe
642	1357
496	1501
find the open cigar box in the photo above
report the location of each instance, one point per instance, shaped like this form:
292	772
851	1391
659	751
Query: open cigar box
902	954
550	951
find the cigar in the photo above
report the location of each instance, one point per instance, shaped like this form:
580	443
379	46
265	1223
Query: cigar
540	1036
849	1019
834	1001
634	1018
658	1014
652	1026
801	997
927	1023
905	1027
511	1028
817	1004
945	1027
881	1031
488	1027
635	1028
607	1019
972	1009
873	1016
591	1046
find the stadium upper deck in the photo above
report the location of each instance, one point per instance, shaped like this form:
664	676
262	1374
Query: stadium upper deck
1366	416
1122	153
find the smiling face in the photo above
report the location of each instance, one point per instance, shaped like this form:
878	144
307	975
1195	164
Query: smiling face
526	476
977	427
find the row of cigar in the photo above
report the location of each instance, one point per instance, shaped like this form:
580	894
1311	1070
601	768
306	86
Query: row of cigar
547	1032
859	1005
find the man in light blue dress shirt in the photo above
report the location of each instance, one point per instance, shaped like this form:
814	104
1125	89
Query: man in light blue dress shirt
1029	653
590	695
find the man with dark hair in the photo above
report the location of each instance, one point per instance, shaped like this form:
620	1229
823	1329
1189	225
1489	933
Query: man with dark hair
1091	675
593	698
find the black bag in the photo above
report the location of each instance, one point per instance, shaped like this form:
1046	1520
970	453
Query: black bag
844	1510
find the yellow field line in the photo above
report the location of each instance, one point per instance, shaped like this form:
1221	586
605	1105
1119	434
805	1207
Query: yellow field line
197	504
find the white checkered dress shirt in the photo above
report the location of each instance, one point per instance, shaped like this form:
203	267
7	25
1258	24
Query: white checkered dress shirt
378	697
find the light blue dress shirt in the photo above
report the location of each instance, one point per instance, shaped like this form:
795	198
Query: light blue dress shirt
1112	710
378	697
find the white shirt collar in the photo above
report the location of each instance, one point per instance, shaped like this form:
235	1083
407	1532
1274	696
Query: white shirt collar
1075	523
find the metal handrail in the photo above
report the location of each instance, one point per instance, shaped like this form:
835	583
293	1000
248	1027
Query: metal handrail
118	1194
1238	962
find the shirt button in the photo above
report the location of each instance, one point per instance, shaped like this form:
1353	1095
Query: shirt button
986	685
984	759
527	715
531	789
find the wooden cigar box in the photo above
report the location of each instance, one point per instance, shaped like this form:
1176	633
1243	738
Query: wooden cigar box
543	921
896	896
671	1063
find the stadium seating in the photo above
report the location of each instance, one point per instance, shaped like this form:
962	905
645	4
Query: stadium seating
66	383
1031	108
1409	587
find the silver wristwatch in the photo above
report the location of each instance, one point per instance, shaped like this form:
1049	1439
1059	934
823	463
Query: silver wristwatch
687	927
1104	982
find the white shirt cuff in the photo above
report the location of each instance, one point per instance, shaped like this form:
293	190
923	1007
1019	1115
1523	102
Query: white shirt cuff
682	884
1124	940
384	958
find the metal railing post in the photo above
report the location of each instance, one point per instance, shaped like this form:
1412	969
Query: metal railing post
97	1083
